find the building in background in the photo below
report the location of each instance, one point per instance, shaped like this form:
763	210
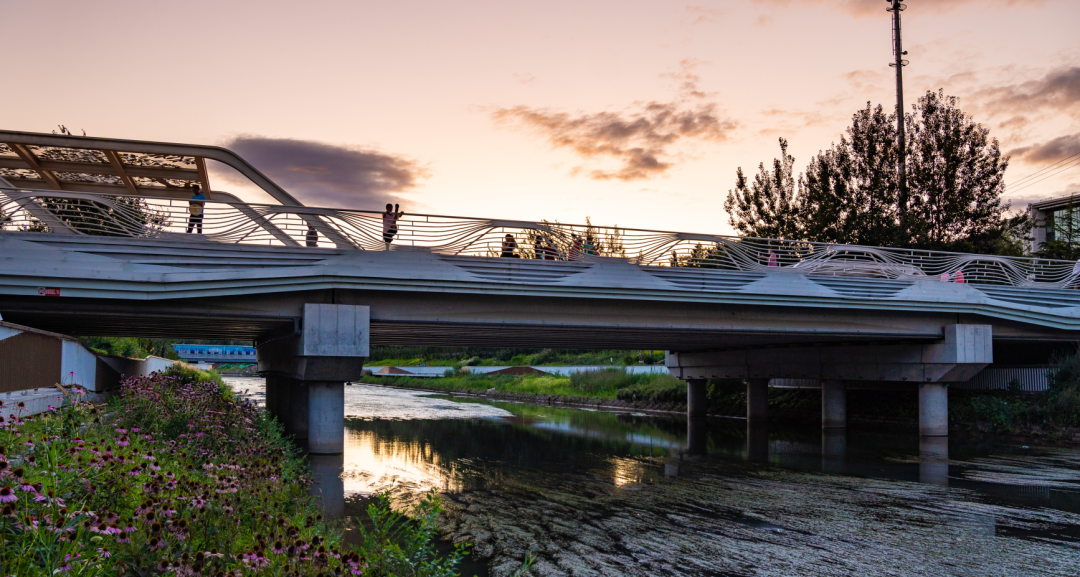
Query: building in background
33	362
1055	219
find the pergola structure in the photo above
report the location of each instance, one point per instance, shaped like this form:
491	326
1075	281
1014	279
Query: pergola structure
121	167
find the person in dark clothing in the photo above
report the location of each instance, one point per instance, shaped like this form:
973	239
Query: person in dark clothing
509	245
195	208
312	236
389	223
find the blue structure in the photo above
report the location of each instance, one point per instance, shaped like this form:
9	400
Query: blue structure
216	353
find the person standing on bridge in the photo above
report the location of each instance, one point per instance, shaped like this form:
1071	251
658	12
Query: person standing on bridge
575	248
509	245
389	223
195	208
549	252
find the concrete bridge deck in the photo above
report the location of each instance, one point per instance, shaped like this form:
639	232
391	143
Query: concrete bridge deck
99	236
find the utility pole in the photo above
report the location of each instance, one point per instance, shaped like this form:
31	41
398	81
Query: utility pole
901	140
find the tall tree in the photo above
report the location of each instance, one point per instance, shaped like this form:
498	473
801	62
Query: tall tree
767	208
955	175
849	192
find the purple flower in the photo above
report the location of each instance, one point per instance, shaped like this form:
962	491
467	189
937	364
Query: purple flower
7	495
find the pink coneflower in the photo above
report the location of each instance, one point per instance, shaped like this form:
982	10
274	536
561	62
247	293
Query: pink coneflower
104	552
26	487
7	495
278	548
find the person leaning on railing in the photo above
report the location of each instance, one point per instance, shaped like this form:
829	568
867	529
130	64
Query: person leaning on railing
195	207
389	223
509	245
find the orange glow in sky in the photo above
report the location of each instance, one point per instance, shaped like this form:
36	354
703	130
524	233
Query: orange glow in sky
532	110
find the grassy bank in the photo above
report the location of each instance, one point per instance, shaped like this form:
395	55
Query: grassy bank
1054	413
614	383
178	477
474	357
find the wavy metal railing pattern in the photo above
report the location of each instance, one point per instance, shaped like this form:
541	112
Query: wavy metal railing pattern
227	222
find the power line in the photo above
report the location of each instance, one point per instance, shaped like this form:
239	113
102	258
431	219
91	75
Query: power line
1062	169
1042	170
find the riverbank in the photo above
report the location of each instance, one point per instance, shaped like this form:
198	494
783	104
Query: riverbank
611	388
1050	416
174	475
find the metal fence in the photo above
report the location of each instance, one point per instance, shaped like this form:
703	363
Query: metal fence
297	226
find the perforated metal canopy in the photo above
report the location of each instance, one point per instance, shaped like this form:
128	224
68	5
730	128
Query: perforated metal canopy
123	167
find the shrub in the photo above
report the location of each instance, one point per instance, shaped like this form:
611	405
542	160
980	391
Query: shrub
178	477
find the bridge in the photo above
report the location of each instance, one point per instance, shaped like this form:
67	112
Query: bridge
97	237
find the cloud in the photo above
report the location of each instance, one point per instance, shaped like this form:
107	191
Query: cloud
1057	91
704	14
327	174
525	79
641	139
1050	152
876	8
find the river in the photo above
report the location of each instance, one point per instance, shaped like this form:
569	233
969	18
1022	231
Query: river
607	493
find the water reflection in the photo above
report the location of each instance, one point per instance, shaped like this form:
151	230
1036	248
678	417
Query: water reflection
633	494
833	450
934	460
328	487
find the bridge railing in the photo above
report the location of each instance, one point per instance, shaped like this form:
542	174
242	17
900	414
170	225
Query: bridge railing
62	212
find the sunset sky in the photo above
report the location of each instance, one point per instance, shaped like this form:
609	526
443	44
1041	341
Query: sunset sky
632	112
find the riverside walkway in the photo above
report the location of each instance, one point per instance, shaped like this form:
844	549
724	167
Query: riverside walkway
93	240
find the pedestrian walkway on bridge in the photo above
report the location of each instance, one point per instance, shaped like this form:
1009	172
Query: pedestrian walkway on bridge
94	240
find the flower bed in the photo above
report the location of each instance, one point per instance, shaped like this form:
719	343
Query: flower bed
174	477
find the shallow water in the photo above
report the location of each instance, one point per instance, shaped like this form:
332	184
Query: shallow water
603	493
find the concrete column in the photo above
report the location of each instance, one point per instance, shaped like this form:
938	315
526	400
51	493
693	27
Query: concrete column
273	388
279	400
934	460
833	404
296	422
326	417
696	396
933	410
757	400
328	488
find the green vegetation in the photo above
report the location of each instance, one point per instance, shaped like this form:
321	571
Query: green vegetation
605	384
852	193
179	477
131	347
472	357
1052	412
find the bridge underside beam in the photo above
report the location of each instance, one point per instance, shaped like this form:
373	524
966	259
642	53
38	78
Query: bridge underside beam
964	351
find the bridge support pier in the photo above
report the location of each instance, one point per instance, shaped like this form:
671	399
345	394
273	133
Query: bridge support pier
933	410
306	373
757	400
326	417
696	397
833	404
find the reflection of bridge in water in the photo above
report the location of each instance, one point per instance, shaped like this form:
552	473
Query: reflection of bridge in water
95	242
